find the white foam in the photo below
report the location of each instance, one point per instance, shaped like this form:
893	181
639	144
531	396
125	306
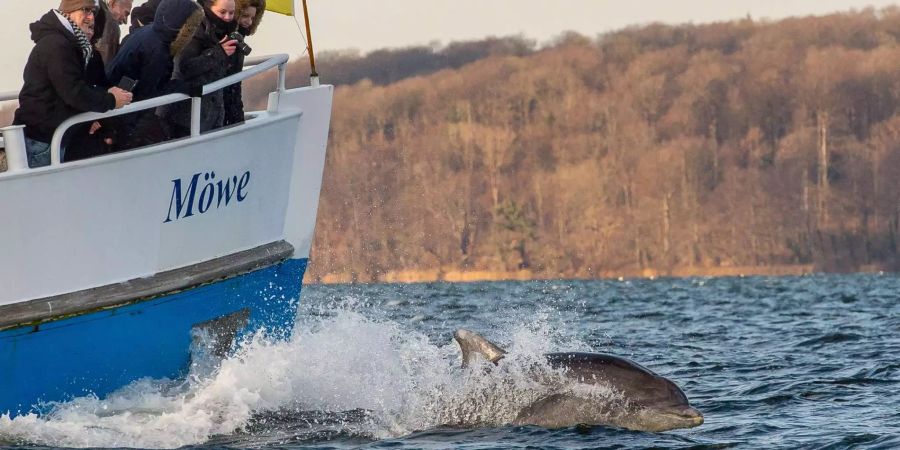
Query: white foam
338	360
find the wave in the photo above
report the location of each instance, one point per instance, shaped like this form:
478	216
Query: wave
830	338
341	373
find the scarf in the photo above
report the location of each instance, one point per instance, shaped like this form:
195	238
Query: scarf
218	27
86	48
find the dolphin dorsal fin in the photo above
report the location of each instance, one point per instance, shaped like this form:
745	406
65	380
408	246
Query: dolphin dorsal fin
472	343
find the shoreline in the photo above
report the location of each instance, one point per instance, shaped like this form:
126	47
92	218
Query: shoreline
471	276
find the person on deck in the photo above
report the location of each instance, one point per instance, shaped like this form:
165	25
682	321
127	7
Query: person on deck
116	12
249	14
148	57
95	139
206	59
143	15
56	86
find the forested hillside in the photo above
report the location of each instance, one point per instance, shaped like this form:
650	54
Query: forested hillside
652	150
647	150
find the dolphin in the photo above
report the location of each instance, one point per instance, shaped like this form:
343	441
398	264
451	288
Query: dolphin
648	402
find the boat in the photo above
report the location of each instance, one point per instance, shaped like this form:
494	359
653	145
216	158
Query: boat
112	267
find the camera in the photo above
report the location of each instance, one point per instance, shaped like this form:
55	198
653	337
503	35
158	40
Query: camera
241	45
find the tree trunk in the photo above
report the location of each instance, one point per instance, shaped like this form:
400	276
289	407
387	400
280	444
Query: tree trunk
822	126
713	131
666	220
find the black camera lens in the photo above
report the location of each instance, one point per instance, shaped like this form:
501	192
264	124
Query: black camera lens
241	45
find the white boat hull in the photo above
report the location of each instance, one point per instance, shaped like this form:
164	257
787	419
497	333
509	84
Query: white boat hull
109	266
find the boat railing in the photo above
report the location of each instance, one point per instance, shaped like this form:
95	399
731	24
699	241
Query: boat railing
257	65
9	96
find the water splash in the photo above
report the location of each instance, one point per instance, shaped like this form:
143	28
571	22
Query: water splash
343	371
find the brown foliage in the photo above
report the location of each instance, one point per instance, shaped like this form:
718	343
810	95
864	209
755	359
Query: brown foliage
659	147
663	148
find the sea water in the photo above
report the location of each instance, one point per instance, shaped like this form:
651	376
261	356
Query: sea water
809	362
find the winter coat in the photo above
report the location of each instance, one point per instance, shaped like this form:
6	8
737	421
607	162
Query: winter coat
79	143
203	61
148	57
108	44
55	81
232	96
95	73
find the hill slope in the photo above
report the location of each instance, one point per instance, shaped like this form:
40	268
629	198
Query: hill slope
656	148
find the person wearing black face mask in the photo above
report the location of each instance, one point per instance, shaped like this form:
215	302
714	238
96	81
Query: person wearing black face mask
205	59
248	14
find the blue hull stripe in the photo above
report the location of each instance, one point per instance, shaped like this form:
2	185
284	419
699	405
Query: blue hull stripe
105	350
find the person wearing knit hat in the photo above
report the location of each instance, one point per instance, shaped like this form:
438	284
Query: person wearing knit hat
56	86
102	135
67	6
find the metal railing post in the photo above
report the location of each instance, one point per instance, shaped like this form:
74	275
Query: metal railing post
195	115
14	140
281	77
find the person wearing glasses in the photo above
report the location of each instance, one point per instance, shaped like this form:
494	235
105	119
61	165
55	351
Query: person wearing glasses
116	12
99	139
56	85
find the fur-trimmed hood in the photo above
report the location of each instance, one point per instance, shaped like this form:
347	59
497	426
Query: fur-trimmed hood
176	21
187	32
260	6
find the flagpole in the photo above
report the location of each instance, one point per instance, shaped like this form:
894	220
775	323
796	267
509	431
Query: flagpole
313	76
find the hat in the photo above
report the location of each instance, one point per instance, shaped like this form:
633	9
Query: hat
67	6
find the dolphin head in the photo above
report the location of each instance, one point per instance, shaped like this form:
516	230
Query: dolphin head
653	403
657	419
662	406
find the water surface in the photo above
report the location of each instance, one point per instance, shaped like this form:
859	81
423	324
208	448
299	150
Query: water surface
809	362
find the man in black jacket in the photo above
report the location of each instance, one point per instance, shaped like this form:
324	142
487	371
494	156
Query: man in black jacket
148	57
55	78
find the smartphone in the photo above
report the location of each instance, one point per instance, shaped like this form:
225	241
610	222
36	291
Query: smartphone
127	84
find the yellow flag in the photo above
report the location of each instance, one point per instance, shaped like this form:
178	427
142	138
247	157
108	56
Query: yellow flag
285	7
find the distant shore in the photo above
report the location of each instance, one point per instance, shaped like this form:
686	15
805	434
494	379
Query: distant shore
459	276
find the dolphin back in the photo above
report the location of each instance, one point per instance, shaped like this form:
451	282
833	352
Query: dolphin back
641	385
